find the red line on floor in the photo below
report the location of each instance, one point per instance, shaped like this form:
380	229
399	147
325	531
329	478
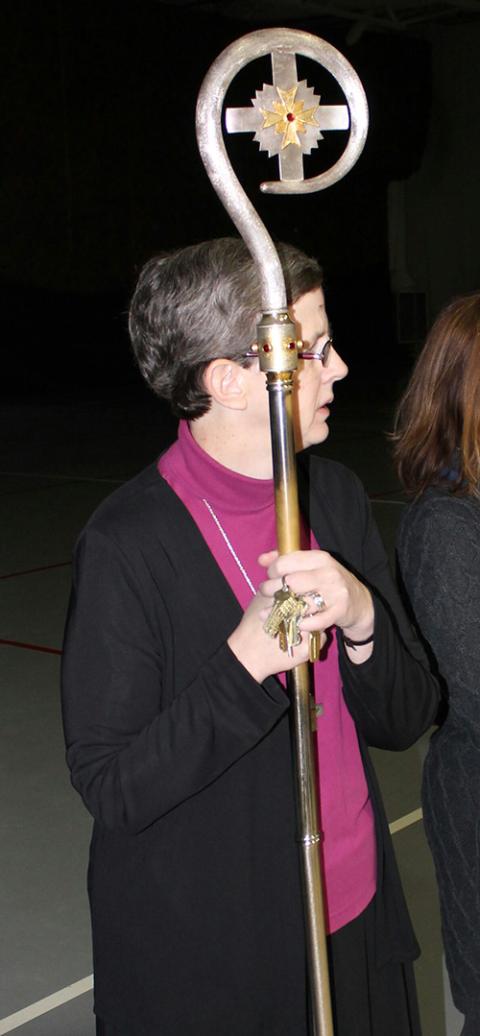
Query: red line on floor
30	647
29	571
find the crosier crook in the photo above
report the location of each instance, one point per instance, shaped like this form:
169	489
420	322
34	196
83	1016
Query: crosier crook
287	120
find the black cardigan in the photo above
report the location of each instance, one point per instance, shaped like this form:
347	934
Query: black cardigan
184	762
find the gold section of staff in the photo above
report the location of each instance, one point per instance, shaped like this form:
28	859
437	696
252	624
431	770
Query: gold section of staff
279	363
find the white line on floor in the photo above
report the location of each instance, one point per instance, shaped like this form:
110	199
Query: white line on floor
406	821
47	1004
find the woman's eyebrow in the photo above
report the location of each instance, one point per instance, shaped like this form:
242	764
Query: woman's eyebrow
325	321
325	331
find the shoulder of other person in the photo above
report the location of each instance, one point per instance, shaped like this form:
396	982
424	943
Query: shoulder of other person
441	522
438	506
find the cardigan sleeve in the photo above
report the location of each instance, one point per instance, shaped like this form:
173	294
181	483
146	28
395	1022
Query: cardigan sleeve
439	555
134	756
393	696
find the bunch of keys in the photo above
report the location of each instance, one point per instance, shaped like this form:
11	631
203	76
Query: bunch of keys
287	609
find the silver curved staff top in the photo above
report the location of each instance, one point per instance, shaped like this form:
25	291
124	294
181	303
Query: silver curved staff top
287	119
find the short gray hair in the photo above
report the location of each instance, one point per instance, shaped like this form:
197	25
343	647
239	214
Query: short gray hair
199	303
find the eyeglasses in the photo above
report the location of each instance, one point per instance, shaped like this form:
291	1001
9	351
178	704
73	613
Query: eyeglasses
322	354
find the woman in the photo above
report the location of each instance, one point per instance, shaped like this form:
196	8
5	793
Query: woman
438	455
176	714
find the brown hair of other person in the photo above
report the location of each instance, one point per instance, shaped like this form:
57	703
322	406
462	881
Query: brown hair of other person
437	426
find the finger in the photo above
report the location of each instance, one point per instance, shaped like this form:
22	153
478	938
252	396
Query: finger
269	587
313	581
267	558
298	561
261	603
319	621
284	564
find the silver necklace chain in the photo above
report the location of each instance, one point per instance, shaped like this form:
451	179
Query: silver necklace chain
229	545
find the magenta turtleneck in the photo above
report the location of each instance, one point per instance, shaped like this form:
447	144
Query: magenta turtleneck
244	507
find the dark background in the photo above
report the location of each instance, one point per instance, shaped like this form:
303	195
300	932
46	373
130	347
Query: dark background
99	169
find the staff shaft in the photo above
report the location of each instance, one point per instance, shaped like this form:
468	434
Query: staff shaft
279	385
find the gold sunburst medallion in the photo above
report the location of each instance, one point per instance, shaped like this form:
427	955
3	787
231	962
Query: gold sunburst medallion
289	117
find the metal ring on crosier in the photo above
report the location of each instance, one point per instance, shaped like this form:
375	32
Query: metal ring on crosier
314	646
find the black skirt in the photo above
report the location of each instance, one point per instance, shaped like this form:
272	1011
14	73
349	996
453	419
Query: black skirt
366	1000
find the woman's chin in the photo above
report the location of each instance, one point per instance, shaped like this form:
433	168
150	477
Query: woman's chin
316	434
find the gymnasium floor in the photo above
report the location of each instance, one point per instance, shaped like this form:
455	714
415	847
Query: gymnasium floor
58	460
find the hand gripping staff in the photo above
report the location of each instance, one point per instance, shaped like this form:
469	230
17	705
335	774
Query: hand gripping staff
287	120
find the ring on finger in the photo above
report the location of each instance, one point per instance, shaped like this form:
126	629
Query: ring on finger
318	600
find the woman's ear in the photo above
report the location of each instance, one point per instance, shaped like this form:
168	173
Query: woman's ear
224	381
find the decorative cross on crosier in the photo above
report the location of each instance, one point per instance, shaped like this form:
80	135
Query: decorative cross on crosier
287	117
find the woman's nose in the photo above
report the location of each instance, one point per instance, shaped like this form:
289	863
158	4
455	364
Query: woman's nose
337	368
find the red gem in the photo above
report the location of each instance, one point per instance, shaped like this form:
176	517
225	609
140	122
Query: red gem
292	345
290	117
266	347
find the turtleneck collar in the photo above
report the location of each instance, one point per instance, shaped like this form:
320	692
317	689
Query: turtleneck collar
206	478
